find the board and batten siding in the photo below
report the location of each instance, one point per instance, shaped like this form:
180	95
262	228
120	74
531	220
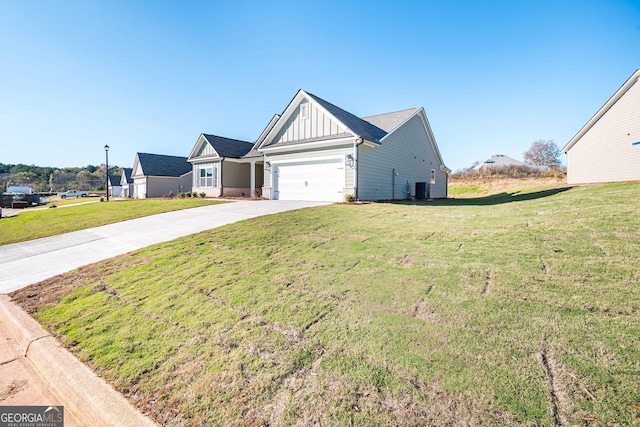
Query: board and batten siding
605	152
214	191
409	152
316	125
310	155
206	150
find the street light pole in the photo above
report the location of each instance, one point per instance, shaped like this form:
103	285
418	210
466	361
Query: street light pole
106	152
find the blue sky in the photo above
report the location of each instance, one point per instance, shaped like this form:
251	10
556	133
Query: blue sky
150	76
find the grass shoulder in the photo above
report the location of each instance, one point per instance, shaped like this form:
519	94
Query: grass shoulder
522	311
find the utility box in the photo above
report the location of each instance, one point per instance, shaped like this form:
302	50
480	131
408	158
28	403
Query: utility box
421	190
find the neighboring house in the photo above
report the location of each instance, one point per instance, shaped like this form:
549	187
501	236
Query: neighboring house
228	167
126	182
502	161
607	148
115	189
318	151
156	175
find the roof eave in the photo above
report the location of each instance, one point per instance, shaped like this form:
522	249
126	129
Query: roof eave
603	110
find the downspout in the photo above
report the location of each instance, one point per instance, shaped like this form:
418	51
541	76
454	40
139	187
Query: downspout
358	141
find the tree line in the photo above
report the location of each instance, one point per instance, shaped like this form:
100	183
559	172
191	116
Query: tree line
52	179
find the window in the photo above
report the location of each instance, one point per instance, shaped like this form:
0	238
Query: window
304	110
207	177
433	176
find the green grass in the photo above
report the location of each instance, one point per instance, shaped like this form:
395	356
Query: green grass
519	309
37	223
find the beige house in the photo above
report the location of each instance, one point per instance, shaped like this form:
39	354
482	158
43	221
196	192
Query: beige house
157	175
225	167
607	148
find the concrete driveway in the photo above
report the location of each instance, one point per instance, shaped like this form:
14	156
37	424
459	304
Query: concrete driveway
22	264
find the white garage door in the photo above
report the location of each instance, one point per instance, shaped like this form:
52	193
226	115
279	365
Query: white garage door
317	181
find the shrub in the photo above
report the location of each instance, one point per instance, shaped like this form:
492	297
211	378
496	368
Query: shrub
203	195
350	198
188	194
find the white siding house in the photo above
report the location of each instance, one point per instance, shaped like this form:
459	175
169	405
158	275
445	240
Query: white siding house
115	189
317	151
607	148
126	182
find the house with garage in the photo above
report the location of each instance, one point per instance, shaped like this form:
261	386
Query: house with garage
157	175
318	151
225	167
115	189
126	182
607	148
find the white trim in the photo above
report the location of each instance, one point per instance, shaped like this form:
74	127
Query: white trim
307	145
602	111
201	139
310	159
304	110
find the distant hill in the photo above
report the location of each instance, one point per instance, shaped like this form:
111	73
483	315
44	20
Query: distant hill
45	179
502	161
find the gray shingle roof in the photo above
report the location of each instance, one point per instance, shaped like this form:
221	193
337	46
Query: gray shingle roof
227	147
161	165
357	125
390	121
114	180
127	174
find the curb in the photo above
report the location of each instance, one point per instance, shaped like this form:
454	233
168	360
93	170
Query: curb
91	400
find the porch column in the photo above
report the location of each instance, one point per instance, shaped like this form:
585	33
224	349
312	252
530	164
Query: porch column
252	190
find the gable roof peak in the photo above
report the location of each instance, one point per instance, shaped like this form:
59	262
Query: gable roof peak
355	124
228	147
603	110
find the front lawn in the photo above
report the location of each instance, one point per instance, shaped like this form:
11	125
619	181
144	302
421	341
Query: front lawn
511	309
43	222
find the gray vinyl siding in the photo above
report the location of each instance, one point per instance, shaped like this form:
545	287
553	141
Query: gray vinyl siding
311	155
409	152
605	153
317	125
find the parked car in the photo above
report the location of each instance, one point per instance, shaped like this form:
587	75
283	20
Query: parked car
73	193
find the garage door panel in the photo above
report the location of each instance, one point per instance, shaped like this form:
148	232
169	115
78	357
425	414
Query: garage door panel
321	181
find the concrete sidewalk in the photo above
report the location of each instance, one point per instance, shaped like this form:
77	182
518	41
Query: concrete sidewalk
34	367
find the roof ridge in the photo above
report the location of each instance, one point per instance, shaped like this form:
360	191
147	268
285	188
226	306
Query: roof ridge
391	112
224	137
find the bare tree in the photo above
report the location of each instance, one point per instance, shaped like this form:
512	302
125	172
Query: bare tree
543	153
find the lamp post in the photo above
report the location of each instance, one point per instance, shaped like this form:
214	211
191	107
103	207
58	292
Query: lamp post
106	152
